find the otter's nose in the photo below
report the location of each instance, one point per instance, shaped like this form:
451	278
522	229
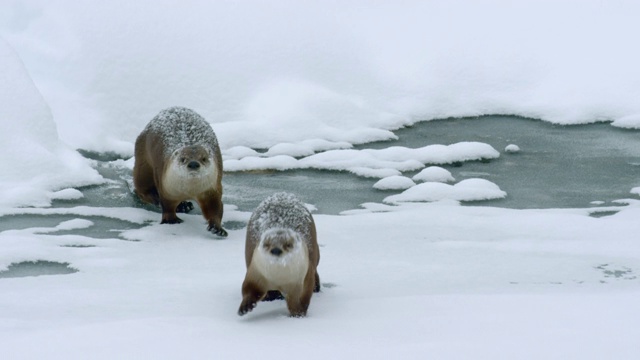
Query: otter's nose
276	251
193	165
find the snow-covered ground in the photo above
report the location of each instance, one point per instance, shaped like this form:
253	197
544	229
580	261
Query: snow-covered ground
296	85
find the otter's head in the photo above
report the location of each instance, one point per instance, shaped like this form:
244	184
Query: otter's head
279	243
192	159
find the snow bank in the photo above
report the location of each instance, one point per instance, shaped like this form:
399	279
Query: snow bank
34	164
265	74
367	162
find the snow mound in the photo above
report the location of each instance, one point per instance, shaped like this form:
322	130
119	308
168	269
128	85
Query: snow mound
628	122
395	182
374	173
434	174
67	194
466	190
294	150
34	163
238	152
512	148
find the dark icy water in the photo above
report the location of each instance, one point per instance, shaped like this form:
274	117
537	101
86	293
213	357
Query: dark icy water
557	166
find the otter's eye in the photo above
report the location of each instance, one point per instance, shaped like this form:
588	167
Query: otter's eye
183	160
287	246
203	160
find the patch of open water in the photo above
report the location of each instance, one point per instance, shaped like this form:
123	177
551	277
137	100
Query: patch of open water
556	167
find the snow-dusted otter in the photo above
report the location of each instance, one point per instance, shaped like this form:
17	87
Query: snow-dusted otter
281	253
177	158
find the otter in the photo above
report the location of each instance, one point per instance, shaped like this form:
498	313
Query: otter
281	254
177	158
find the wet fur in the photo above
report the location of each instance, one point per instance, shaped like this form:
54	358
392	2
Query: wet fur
165	181
296	277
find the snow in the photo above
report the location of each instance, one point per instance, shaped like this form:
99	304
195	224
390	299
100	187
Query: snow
34	163
434	174
290	86
266	74
481	282
512	148
465	190
67	194
366	162
395	182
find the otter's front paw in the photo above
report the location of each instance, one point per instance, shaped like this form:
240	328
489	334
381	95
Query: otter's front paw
246	306
218	231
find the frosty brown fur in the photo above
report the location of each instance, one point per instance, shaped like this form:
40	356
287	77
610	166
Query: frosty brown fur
281	254
177	158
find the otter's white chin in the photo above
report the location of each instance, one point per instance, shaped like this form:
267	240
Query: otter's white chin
287	268
182	182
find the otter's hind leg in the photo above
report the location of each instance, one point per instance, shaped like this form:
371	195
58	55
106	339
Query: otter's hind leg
184	207
144	185
316	287
273	295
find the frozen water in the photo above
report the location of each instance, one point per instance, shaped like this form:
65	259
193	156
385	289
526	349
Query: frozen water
36	268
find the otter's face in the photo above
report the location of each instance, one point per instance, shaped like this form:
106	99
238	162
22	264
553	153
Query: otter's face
278	243
192	158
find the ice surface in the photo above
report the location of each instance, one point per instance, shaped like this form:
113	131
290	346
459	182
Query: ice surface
449	281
